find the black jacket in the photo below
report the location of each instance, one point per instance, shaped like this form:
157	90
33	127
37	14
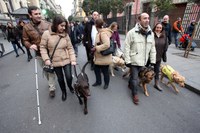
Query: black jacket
167	27
87	40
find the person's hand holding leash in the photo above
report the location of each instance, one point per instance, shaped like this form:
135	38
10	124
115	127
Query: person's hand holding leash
73	63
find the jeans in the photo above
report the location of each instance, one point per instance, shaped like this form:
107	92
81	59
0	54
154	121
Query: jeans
75	46
133	81
175	34
14	43
68	75
105	70
157	69
50	76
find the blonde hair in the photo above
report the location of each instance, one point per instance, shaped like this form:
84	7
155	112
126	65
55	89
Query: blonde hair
112	25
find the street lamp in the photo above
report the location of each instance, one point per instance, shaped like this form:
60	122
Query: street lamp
6	2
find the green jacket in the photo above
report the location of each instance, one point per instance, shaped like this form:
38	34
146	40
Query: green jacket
139	48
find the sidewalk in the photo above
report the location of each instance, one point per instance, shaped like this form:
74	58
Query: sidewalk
188	67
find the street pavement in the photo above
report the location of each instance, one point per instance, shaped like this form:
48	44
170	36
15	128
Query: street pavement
110	111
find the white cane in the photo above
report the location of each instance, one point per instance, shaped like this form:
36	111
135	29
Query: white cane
37	92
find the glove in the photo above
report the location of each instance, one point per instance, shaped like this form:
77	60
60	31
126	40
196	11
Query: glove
128	65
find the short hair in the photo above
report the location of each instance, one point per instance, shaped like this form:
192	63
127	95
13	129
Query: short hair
58	19
99	23
31	8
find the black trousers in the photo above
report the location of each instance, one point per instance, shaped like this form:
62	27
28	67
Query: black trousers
60	72
105	70
133	81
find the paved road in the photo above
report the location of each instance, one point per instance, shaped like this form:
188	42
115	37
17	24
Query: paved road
110	111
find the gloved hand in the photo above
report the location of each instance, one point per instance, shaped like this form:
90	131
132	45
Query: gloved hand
128	65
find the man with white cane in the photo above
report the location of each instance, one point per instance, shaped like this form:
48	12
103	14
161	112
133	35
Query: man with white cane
32	33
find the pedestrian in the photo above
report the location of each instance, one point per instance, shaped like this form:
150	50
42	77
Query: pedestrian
64	56
177	29
13	37
101	62
3	29
20	26
190	28
32	33
74	34
115	35
90	33
139	47
167	28
161	49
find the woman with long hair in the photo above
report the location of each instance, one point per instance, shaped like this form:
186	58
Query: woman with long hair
64	56
161	49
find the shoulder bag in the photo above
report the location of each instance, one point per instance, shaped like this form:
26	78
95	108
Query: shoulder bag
111	49
49	68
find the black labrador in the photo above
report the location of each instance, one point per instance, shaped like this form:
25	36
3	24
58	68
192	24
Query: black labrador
82	87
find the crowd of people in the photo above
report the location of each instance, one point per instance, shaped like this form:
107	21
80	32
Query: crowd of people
143	46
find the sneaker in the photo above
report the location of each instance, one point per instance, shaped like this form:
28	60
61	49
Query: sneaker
135	99
52	93
17	55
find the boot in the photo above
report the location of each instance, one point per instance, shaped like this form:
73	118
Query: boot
64	95
157	85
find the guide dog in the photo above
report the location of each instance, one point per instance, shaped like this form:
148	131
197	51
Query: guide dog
172	76
146	74
82	87
117	62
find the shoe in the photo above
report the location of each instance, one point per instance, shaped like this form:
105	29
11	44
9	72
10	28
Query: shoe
71	90
96	84
157	87
17	55
135	99
52	93
105	87
64	95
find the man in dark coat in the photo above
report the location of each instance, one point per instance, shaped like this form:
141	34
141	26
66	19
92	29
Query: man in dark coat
167	28
89	37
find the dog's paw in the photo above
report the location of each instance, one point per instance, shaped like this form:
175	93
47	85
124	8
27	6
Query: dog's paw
146	94
80	102
113	75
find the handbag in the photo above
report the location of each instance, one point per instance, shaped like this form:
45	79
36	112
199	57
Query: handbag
50	68
111	49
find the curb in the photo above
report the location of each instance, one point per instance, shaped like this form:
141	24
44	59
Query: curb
191	88
6	53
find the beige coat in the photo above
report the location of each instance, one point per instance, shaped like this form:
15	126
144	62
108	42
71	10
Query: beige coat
99	59
64	53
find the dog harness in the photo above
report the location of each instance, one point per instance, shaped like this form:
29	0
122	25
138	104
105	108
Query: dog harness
168	70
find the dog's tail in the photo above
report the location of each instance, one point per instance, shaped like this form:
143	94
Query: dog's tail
83	69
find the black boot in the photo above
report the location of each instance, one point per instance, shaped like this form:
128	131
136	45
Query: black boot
157	85
64	95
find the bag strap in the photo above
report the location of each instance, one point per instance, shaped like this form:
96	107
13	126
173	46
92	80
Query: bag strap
55	48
